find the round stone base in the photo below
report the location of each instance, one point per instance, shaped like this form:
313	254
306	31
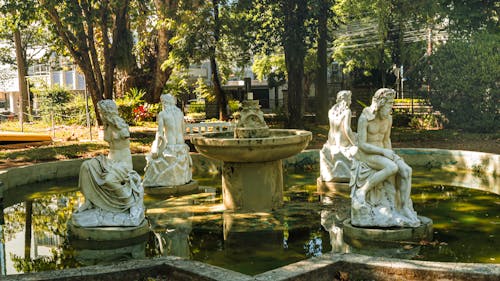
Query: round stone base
331	187
413	234
108	233
188	188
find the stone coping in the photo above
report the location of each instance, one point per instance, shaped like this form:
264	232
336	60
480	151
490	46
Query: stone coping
327	267
487	164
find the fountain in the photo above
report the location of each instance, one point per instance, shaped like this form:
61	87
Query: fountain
252	173
197	227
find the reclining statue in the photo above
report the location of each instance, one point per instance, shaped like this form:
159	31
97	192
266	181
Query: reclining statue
380	179
112	189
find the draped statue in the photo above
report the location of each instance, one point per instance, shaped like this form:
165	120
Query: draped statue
112	189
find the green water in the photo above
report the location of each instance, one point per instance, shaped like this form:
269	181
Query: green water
466	226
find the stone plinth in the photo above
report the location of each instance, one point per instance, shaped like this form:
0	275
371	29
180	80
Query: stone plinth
395	234
331	187
252	186
188	188
108	233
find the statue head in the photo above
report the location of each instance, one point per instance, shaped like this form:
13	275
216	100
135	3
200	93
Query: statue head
382	101
168	99
107	108
109	114
344	96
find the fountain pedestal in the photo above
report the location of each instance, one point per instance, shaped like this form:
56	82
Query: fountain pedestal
252	174
252	186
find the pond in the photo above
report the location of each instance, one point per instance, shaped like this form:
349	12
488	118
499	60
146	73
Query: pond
466	227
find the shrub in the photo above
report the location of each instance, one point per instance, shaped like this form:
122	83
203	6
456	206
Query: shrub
130	101
196	107
427	121
52	103
75	111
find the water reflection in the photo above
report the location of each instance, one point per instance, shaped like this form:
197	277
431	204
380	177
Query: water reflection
196	226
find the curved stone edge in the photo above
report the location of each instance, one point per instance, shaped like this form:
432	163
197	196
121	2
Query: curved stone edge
412	234
164	268
188	188
326	267
361	267
488	163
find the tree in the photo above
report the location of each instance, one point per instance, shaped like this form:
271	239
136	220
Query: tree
323	13
376	37
19	30
210	31
467	17
465	79
284	25
96	36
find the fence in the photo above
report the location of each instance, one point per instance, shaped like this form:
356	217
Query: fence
56	125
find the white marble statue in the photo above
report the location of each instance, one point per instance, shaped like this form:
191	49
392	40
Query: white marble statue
169	163
381	180
336	154
112	189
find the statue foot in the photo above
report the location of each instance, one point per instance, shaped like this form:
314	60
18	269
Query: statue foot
86	205
411	216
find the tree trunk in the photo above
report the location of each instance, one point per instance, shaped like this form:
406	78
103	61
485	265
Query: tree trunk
220	96
295	51
295	69
321	73
22	72
161	76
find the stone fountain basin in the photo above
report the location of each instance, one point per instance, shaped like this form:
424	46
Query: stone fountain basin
281	144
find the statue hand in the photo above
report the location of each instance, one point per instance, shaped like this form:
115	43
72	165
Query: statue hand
389	154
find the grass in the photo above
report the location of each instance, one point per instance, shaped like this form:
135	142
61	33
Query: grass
71	142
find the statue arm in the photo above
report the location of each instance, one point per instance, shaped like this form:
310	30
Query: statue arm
387	135
159	138
347	127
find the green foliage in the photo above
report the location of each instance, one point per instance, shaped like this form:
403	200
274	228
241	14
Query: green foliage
271	66
196	107
178	83
409	101
427	121
234	105
202	91
130	101
465	77
52	103
375	35
76	112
